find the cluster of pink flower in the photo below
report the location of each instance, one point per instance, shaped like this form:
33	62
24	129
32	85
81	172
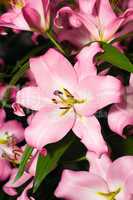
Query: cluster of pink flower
65	97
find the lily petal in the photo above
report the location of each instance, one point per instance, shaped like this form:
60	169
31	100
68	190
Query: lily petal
89	131
14	19
10	186
85	65
109	91
56	70
5	169
32	17
80	185
119	171
31	97
105	13
48	126
14	128
99	165
86	6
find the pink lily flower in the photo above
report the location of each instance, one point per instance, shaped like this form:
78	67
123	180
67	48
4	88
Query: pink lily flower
67	98
122	113
11	133
30	15
117	183
98	20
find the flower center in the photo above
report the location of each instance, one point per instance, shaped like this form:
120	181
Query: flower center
9	149
4	138
66	100
110	195
17	3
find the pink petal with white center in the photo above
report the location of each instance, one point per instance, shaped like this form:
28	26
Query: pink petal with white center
53	71
5	169
118	118
90	23
119	171
48	126
13	128
31	97
10	186
89	131
98	92
106	14
80	185
98	165
85	65
14	19
112	28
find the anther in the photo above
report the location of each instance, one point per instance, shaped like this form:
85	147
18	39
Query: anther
67	107
57	93
55	101
68	94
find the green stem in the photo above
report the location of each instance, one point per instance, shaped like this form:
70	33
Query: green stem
15	79
20	70
52	39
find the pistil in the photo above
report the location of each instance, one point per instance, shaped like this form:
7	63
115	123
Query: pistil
66	100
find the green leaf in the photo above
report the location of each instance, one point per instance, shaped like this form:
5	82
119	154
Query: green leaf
115	57
27	153
48	163
19	74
